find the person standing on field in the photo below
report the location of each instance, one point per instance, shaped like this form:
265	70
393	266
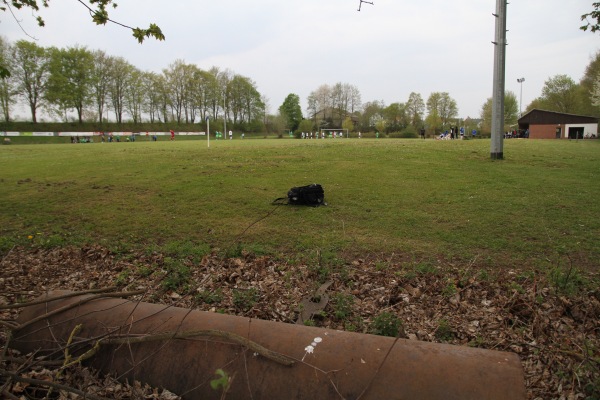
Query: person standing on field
172	134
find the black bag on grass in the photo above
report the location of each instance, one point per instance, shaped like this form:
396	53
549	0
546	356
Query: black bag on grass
309	195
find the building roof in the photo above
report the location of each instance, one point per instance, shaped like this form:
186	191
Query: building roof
543	117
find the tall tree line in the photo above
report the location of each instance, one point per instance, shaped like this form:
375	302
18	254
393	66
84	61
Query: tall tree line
96	87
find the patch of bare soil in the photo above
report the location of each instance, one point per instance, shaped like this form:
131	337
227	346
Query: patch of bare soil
549	319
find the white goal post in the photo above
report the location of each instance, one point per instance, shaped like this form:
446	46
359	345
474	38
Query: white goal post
337	131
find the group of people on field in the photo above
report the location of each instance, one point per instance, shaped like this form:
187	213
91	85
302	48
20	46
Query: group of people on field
452	133
322	135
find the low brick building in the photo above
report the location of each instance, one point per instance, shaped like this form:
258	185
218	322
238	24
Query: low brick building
543	124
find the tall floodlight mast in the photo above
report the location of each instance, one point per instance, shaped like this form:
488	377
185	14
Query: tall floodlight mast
496	150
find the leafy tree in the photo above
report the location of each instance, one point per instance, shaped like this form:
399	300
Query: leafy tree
222	96
98	12
395	117
205	90
291	110
319	103
441	110
380	125
535	104
70	80
245	102
306	125
345	99
100	79
330	105
595	15
595	93
586	87
511	113
119	77
178	76
31	70
152	86
253	106
278	123
560	94
7	83
157	89
415	109
215	91
133	100
372	113
348	124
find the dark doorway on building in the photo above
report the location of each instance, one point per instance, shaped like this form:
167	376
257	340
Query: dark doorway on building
576	133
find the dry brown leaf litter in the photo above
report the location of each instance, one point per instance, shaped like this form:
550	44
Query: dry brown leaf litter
555	334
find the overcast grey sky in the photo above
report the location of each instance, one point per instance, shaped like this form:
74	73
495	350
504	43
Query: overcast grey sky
387	50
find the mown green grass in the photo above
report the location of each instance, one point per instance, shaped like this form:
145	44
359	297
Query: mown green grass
419	200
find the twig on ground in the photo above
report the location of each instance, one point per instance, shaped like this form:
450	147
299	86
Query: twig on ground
53	385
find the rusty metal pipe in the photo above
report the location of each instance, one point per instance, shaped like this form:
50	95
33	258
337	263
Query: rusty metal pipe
328	364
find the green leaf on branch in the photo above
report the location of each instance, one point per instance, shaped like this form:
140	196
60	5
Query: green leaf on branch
100	17
154	31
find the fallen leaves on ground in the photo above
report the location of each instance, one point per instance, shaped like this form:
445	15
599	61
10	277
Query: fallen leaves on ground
549	318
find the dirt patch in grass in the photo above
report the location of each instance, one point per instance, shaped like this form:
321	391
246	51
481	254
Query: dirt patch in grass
550	319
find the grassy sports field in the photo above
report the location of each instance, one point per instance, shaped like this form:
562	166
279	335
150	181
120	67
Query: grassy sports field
419	199
425	240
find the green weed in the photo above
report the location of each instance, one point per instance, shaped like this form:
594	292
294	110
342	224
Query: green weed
177	275
386	324
450	289
567	281
122	277
444	331
479	341
209	297
514	286
245	299
342	305
144	271
425	268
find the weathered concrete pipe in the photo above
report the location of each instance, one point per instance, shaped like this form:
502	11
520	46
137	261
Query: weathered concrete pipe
329	364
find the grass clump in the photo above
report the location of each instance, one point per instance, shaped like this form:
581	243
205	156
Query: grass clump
245	299
342	305
209	297
386	324
444	331
186	249
568	281
122	277
144	271
177	275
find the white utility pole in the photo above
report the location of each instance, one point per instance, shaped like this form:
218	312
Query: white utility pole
224	116
496	150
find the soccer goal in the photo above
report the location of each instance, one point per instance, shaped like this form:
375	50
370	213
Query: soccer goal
334	133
